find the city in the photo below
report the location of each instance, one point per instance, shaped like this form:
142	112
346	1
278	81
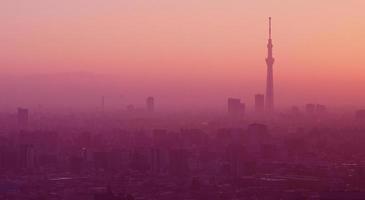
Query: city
141	154
256	148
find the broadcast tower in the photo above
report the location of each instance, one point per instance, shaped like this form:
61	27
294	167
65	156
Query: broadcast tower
270	79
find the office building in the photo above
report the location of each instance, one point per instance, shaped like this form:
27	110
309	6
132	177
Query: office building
235	107
150	103
259	102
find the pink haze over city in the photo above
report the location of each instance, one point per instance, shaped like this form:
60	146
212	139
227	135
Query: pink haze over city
182	100
187	54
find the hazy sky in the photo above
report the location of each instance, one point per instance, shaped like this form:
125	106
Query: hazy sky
191	52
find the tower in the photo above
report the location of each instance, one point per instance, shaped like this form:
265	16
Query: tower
270	79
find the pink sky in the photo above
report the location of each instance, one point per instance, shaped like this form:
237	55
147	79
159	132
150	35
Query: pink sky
183	52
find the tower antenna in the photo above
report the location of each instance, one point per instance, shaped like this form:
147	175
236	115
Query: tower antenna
269	27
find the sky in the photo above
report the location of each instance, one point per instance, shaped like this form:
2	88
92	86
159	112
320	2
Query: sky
188	54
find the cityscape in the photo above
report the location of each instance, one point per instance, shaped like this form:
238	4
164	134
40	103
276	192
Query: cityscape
257	147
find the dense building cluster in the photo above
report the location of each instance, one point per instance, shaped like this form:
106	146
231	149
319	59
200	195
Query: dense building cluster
149	155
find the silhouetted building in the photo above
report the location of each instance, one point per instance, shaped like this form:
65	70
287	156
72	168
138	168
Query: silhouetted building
235	107
360	114
155	160
23	117
178	162
310	108
102	104
270	77
315	108
101	160
150	102
259	102
321	108
75	164
139	159
295	110
258	129
27	157
130	108
235	156
159	160
257	135
192	136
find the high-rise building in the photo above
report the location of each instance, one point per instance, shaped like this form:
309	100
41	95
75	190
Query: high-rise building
235	156
321	108
130	108
23	116
159	160
310	108
360	114
259	102
270	77
27	158
102	103
235	107
150	102
295	110
179	165
258	129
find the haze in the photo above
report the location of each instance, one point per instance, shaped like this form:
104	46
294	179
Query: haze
187	54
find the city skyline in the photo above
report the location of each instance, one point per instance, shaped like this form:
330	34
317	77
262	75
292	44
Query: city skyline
190	60
182	100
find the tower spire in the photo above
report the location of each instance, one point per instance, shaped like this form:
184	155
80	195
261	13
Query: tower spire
269	27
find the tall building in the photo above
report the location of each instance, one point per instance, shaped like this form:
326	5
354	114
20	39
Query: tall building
360	114
22	116
270	79
235	107
178	162
310	108
321	108
259	102
102	103
150	102
235	157
27	158
159	160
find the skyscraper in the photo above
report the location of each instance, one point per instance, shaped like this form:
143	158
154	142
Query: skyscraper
310	108
270	79
22	116
150	102
235	107
259	102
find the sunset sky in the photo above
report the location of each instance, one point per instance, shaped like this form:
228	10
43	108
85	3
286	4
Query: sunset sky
191	53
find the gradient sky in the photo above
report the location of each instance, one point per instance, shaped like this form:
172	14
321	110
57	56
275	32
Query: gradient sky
193	53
